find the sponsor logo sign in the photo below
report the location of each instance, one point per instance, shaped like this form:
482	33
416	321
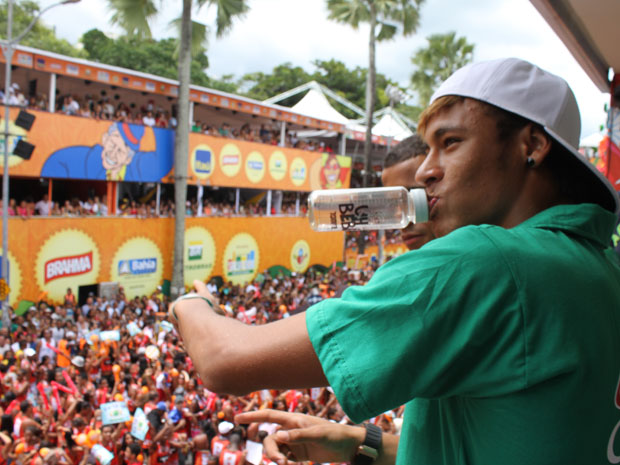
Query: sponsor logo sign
255	167
241	259
278	165
69	258
199	257
230	160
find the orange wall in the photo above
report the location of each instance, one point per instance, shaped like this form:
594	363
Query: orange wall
53	254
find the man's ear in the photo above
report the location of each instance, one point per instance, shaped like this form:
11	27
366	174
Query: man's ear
536	144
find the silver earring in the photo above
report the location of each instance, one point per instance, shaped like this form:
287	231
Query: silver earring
530	162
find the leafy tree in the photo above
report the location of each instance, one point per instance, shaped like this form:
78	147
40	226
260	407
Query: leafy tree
388	16
143	54
350	84
283	77
444	54
40	36
134	16
334	74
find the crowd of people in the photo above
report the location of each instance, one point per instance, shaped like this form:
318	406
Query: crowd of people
96	206
57	369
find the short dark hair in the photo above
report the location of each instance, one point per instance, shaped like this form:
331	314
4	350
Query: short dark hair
404	150
134	448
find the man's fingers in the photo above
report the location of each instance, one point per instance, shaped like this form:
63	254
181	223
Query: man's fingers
271	449
286	419
302	435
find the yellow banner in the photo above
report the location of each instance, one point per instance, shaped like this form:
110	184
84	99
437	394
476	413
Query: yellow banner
50	255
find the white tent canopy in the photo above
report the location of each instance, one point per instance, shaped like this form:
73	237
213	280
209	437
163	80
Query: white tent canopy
316	105
390	125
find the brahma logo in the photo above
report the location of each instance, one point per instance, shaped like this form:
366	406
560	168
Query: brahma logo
137	266
230	160
63	267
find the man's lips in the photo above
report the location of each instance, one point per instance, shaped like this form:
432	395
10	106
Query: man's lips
432	201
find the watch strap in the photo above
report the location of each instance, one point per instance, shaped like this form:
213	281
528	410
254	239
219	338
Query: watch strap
191	295
368	451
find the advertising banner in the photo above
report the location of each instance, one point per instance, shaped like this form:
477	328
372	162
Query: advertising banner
59	253
71	147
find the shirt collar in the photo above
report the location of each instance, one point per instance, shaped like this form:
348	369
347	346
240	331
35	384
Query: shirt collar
587	220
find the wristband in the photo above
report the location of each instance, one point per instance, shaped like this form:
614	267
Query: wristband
191	295
368	451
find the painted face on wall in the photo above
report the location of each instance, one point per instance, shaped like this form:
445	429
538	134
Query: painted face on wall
115	153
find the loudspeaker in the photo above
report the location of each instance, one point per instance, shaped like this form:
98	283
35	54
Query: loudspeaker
23	149
25	120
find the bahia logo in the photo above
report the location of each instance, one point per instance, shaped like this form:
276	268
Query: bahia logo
203	161
255	165
63	267
137	266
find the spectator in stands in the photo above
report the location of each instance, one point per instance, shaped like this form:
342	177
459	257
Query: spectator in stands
42	207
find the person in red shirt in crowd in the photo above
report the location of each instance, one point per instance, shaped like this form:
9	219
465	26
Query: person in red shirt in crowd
221	441
232	453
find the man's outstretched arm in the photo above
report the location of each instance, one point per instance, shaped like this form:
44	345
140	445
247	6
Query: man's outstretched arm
232	357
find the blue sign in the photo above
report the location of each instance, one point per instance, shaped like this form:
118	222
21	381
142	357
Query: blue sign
203	162
137	266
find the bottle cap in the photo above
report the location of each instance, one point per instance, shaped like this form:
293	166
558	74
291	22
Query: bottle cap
420	205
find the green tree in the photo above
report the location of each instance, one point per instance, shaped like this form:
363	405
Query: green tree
143	54
134	17
350	84
385	18
284	77
444	54
40	36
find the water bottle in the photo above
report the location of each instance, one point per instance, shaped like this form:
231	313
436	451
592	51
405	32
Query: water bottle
368	208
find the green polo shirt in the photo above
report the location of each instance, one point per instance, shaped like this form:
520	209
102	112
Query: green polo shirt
503	343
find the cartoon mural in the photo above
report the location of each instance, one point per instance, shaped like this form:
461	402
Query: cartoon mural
71	147
124	154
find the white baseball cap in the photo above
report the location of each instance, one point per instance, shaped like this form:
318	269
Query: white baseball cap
522	88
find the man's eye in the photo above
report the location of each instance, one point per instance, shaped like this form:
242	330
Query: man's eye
448	141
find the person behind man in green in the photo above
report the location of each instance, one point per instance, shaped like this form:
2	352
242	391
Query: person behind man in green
399	169
501	336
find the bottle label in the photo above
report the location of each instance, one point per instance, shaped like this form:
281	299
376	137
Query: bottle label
351	216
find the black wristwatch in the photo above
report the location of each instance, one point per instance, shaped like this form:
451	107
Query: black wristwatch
368	451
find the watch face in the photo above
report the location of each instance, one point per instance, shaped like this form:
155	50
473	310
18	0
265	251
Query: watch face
368	451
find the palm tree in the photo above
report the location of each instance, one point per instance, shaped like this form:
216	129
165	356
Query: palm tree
388	16
436	62
134	17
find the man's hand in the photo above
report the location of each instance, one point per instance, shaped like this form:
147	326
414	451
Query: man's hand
305	437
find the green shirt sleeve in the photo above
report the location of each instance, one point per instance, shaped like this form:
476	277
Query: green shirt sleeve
441	321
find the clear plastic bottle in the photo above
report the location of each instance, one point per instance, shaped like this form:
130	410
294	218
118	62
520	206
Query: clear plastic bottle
368	208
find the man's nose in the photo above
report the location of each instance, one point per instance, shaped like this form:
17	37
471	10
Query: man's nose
430	171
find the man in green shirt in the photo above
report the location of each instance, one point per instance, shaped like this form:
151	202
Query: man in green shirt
502	336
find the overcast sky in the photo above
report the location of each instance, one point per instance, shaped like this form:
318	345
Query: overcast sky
297	31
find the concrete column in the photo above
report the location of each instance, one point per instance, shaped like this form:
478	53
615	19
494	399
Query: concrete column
52	102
